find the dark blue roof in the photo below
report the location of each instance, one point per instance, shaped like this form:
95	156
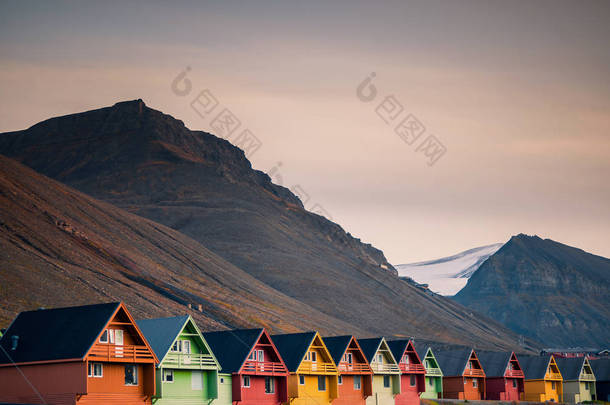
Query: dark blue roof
162	332
292	347
337	345
570	368
55	334
398	347
601	369
231	347
494	363
534	367
369	347
453	362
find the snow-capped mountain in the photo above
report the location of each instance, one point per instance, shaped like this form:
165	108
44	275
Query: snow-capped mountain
448	275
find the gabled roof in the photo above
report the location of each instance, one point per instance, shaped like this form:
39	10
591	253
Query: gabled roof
293	347
453	362
337	346
232	347
535	367
370	346
399	347
601	369
494	363
570	368
422	350
56	334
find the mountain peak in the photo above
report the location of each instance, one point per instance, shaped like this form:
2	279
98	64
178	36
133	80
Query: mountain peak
131	105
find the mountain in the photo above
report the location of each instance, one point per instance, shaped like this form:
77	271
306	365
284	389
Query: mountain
448	275
150	164
59	247
545	290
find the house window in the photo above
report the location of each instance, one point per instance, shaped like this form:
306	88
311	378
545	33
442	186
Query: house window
301	380
405	359
553	385
95	370
186	346
314	356
412	382
428	364
252	355
386	381
246	381
168	376
430	381
340	380
380	358
321	383
269	385
222	380
176	347
514	383
104	337
350	358
131	374
475	382
357	382
261	355
470	365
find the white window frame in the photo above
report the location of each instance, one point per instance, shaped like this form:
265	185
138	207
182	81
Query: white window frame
260	355
135	373
349	358
314	356
186	346
245	379
357	382
272	385
104	336
380	358
475	383
252	355
176	347
166	372
91	370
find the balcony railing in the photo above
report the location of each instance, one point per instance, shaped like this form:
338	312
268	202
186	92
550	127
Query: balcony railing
474	372
355	368
555	376
123	354
308	367
587	377
385	368
434	372
514	373
189	360
412	368
264	367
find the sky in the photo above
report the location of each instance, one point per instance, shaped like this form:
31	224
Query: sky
480	119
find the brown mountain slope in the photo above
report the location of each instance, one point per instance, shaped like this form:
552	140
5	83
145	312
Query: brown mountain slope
59	247
150	164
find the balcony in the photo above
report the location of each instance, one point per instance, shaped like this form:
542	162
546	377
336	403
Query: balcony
189	361
434	372
555	376
354	368
121	354
514	373
412	368
264	368
385	368
308	367
474	372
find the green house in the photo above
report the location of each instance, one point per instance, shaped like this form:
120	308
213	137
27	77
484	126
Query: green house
187	372
434	375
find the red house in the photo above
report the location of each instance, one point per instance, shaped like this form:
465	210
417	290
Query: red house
93	354
463	375
504	378
355	383
252	362
412	372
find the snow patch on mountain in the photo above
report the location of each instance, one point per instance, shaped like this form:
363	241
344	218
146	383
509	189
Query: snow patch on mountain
448	275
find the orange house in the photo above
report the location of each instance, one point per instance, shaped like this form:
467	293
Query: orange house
355	382
93	354
463	375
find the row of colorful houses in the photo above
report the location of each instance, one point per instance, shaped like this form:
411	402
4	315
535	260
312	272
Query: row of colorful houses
98	354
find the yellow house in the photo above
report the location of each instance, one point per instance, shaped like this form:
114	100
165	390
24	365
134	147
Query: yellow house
543	380
313	375
386	373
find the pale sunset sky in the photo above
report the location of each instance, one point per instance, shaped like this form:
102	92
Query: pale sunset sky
518	92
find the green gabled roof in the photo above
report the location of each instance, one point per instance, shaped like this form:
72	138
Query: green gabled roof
161	334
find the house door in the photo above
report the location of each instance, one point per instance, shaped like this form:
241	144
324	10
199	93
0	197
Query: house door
196	380
118	341
186	351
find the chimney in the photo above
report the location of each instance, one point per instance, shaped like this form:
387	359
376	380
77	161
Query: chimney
15	340
189	306
200	308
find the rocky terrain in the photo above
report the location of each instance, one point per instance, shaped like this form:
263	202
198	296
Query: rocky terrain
150	164
545	290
